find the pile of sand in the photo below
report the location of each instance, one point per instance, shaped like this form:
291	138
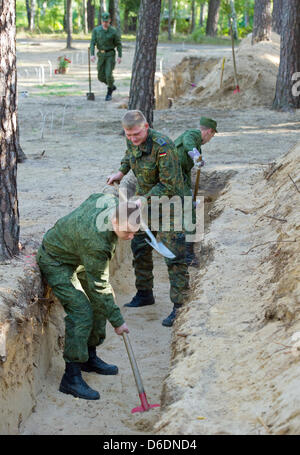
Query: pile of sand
257	68
236	344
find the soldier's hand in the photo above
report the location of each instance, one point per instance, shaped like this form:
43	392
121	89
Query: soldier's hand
123	328
119	59
114	177
93	59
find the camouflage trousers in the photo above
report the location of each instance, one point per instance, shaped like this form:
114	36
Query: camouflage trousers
84	324
177	268
105	67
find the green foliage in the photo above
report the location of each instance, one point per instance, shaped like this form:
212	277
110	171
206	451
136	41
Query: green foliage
50	17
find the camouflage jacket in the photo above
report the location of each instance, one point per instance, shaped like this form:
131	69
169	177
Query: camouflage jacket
185	143
156	166
106	40
85	237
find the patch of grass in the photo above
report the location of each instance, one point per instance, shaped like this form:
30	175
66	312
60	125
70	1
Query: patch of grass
55	86
60	93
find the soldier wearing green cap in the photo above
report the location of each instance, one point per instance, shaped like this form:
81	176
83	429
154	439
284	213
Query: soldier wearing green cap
188	146
106	38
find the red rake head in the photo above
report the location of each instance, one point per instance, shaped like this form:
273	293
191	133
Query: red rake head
237	90
145	405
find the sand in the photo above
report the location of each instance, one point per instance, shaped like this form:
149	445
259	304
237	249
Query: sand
202	379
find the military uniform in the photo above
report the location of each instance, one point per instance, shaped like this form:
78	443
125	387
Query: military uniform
185	143
106	41
157	169
77	247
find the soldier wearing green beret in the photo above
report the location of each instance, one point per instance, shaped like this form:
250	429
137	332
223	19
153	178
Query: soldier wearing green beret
188	146
106	38
154	161
74	260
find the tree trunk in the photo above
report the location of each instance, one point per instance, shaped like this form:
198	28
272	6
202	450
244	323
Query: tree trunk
126	16
21	157
69	23
90	15
246	13
141	94
170	20
234	21
277	16
100	11
111	10
262	21
213	17
32	15
287	95
9	212
201	18
117	22
84	17
193	16
28	10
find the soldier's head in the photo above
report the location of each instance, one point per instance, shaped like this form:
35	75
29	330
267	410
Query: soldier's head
105	20
126	220
135	126
208	128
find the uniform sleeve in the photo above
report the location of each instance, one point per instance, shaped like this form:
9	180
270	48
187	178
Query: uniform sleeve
170	173
125	163
118	44
96	267
190	140
93	42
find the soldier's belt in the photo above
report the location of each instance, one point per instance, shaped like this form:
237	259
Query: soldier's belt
102	51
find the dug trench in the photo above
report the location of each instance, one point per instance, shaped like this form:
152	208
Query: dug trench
230	363
33	339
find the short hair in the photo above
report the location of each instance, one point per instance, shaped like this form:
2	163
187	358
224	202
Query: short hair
128	210
133	118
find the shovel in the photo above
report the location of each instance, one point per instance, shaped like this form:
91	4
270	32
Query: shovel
237	88
90	96
145	406
158	246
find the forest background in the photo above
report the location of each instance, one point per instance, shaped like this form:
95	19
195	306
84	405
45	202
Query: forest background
196	21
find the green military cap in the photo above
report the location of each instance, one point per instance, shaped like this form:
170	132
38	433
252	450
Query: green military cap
209	123
105	16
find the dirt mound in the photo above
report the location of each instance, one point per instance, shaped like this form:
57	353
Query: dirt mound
180	79
236	344
257	68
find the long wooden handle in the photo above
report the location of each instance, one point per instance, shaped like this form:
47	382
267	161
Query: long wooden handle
135	370
197	180
89	58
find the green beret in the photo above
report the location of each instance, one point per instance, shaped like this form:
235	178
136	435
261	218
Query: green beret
105	16
209	123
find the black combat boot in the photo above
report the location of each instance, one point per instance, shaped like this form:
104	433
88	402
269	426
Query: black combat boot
168	322
73	384
108	95
96	365
190	256
142	298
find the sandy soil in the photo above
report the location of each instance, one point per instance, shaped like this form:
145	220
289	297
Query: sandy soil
72	145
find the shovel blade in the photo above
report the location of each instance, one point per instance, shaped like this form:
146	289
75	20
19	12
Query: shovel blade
90	96
161	249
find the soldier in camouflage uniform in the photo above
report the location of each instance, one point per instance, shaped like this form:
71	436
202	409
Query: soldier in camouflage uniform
106	38
153	160
77	251
185	143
